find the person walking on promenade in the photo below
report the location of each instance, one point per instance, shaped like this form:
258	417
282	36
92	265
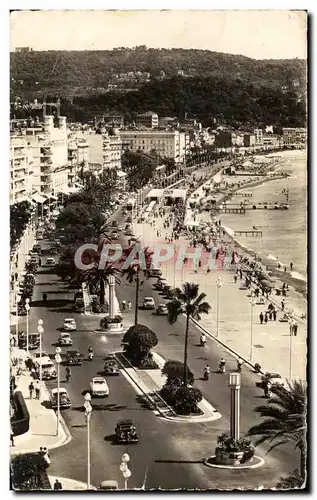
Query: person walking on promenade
291	266
274	314
265	318
31	389
283	305
37	389
270	315
295	328
291	329
261	317
235	277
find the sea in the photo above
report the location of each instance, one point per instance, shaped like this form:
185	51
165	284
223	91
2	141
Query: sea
284	232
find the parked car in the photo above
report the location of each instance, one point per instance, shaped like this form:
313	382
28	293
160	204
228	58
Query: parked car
162	310
160	284
126	432
73	357
37	248
108	485
64	399
167	289
148	303
50	262
111	366
65	339
99	387
69	325
154	273
40	354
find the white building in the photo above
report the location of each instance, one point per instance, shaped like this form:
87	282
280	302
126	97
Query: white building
111	149
171	144
148	119
78	158
20	170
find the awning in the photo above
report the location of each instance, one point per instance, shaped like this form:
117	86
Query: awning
38	198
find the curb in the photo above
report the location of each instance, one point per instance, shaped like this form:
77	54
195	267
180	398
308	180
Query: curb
232	467
246	361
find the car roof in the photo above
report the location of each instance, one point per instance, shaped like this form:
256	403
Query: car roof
65	334
62	390
73	351
162	305
69	319
148	298
99	379
126	422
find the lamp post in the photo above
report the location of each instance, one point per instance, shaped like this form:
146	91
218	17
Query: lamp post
27	308
40	330
291	323
125	469
17	296
235	385
58	360
219	285
88	411
252	303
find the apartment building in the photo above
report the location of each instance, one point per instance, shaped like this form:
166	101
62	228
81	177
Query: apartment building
20	170
166	143
258	133
293	136
111	149
78	158
249	140
149	119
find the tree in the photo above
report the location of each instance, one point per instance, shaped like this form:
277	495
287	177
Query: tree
28	472
186	399
291	482
285	414
188	301
20	215
134	270
174	371
139	340
97	278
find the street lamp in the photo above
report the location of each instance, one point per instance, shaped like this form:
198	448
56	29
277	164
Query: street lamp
40	330
27	308
235	385
125	470
58	360
219	285
252	303
17	296
88	411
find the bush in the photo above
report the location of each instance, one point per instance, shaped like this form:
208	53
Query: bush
21	421
186	399
231	445
28	472
168	393
106	320
139	339
174	371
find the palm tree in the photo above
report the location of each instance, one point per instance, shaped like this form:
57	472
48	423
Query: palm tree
133	272
189	301
285	414
98	278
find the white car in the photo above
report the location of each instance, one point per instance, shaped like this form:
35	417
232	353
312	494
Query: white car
99	387
39	355
50	261
148	303
69	325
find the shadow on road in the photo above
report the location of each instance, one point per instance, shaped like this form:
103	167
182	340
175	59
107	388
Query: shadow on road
178	461
57	303
102	407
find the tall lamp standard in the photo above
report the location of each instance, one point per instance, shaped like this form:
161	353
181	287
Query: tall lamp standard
40	330
125	469
58	360
235	384
88	412
252	303
17	297
27	308
219	285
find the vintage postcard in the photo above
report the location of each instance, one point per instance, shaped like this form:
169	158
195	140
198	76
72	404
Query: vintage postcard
158	263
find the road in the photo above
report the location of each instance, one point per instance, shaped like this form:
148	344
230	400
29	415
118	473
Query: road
169	454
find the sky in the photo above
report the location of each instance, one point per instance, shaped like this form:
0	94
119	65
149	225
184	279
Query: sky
260	34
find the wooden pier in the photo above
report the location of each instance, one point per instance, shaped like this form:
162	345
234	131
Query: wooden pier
253	233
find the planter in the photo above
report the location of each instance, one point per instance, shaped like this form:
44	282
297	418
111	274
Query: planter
228	457
114	327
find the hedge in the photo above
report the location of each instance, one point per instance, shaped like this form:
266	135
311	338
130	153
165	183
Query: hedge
29	472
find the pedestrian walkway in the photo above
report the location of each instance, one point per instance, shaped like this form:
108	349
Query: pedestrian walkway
43	420
272	346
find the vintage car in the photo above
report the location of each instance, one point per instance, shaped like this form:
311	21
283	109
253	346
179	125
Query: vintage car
162	310
73	357
154	273
111	366
48	369
69	325
125	432
148	303
273	378
99	387
64	399
65	339
160	284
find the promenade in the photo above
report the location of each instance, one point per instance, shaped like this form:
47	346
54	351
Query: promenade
271	346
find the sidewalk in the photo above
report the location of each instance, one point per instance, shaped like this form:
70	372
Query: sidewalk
69	484
43	420
273	348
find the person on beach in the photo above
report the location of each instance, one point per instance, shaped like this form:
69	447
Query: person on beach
235	277
261	317
265	318
283	305
57	485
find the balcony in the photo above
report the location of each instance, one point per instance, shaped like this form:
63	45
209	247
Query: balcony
46	152
46	161
46	179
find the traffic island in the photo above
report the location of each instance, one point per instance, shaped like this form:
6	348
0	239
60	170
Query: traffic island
111	324
253	463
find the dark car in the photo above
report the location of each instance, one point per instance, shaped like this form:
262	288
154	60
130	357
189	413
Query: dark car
154	273
167	289
73	357
111	367
126	432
